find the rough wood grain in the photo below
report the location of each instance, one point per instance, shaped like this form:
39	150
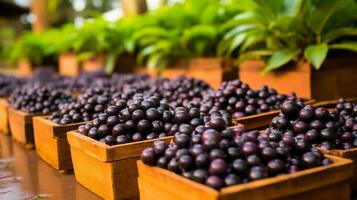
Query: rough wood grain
51	142
156	183
108	171
4	117
21	127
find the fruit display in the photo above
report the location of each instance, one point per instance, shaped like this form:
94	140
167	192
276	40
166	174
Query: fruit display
306	125
85	80
38	99
238	99
86	108
9	83
348	111
143	118
218	156
134	120
180	91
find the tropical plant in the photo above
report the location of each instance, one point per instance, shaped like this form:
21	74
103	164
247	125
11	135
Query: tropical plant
7	39
94	37
280	31
184	29
35	47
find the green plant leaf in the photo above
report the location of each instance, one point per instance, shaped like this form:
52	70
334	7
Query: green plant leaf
292	8
348	45
337	33
281	57
110	63
252	55
316	54
239	29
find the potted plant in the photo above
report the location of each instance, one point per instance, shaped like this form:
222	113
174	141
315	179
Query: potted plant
99	44
186	46
32	50
300	46
67	60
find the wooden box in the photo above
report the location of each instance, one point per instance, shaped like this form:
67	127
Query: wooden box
108	171
51	142
349	154
336	78
69	64
327	182
212	70
4	117
21	127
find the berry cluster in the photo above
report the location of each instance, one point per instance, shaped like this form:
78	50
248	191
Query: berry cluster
180	91
131	121
238	99
307	125
349	125
38	99
86	108
8	84
218	156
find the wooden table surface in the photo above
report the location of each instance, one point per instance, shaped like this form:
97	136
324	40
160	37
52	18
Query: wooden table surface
23	175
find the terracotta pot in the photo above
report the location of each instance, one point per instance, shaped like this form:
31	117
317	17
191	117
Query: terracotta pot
25	67
211	70
336	78
69	65
94	63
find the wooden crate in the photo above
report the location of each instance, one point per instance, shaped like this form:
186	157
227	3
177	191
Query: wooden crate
4	117
51	142
108	171
327	182
261	120
21	127
212	70
336	78
349	154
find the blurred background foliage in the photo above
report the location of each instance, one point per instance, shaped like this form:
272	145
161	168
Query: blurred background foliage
277	31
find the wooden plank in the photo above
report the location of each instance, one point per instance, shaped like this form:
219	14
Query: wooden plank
4	117
107	153
349	154
301	185
108	171
51	142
